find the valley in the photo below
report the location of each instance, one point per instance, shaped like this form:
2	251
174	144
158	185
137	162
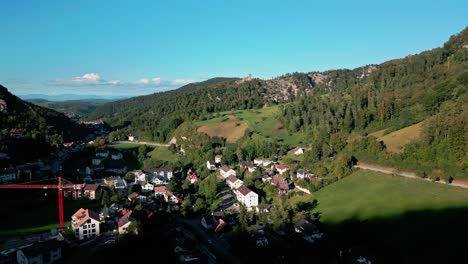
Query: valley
338	166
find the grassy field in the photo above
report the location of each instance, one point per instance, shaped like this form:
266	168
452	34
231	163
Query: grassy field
20	217
262	121
365	195
164	154
230	128
398	220
159	153
396	140
124	146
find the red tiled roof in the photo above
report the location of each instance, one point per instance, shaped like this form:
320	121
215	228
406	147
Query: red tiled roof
243	190
232	178
83	215
281	167
160	189
194	177
91	187
124	219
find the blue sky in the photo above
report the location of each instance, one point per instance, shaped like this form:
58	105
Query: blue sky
140	47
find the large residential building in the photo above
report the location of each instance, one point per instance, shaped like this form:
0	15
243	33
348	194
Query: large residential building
246	196
85	223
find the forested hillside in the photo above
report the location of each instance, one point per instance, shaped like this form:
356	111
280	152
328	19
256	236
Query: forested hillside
335	109
22	119
431	85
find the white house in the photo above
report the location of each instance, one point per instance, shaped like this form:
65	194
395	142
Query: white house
281	169
225	171
131	138
146	187
210	164
140	176
301	174
116	156
233	182
218	159
247	197
165	173
157	181
85	223
266	163
160	192
258	161
298	151
251	168
7	175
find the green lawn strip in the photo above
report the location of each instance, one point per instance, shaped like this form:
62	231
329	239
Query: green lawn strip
366	195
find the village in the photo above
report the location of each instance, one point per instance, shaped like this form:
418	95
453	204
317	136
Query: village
126	199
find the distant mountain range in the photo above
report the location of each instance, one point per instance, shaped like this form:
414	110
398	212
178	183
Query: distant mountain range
70	97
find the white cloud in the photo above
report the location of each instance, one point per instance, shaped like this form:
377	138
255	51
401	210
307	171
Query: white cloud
94	79
149	81
181	82
88	78
115	82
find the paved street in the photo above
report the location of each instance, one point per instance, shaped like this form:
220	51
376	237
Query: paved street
218	246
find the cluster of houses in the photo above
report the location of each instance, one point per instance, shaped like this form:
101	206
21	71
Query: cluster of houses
86	223
36	248
106	161
274	175
32	170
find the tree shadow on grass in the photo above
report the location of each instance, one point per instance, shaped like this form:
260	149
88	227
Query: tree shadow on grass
427	236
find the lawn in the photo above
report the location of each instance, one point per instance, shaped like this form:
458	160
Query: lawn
124	146
398	220
262	121
163	153
365	195
22	216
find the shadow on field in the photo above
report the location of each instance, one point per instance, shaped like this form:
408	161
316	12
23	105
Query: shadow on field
414	237
429	236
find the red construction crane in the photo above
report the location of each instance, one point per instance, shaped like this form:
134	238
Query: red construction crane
58	186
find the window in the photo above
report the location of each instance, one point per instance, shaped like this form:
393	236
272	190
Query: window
93	225
93	230
85	232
